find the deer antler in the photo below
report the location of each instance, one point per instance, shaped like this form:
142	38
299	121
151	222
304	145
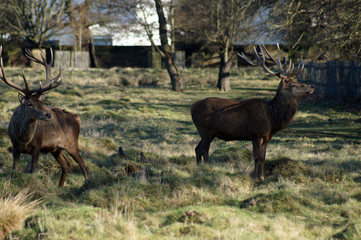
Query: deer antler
11	84
49	83
261	61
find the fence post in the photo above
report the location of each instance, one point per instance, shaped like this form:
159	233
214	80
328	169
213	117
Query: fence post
68	59
331	85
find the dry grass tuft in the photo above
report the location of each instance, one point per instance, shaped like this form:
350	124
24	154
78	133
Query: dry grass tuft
14	210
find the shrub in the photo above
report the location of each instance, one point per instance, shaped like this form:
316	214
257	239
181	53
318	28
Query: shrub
14	210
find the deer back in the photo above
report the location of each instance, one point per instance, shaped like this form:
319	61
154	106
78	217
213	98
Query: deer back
231	119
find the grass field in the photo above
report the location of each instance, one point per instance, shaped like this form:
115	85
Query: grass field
312	187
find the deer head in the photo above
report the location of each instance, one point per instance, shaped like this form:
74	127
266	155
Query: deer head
30	99
287	85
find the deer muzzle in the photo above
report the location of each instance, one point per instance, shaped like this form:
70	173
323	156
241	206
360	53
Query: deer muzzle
45	116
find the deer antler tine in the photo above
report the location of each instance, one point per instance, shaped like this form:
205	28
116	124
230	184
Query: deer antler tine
245	58
258	55
278	63
43	58
26	82
301	68
279	57
297	71
29	55
52	83
2	67
3	76
51	56
293	67
49	83
264	63
263	57
290	66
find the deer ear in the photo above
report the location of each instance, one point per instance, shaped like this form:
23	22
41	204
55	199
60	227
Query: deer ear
21	98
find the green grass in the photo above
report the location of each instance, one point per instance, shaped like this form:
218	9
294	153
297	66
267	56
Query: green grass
312	172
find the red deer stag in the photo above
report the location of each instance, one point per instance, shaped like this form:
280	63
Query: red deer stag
35	127
255	120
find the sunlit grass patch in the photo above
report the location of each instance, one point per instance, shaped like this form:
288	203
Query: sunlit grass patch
15	209
153	188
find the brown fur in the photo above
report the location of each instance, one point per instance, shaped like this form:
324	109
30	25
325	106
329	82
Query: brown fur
254	120
36	128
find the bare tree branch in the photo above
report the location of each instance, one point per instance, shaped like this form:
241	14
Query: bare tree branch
33	21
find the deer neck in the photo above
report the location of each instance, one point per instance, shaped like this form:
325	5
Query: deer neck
282	109
25	128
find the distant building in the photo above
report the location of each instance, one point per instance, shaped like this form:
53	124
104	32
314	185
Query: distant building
127	45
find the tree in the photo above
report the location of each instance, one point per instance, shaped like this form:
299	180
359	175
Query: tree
165	50
129	14
81	18
32	21
333	26
217	22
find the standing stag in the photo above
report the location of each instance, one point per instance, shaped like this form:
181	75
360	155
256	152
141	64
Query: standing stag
255	120
35	127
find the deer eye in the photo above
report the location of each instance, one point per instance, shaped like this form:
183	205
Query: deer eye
292	86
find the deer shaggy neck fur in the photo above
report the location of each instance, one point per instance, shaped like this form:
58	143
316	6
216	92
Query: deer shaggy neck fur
282	109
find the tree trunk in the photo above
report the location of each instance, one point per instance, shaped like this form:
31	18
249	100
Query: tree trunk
173	74
166	49
225	65
93	61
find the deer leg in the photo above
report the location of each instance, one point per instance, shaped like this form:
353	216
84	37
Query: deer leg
16	157
34	159
205	148
64	163
263	157
198	153
257	154
76	156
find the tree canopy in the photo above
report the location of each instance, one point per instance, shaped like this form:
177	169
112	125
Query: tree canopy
333	26
32	21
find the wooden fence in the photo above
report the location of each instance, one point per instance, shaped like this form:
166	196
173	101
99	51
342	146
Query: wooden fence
71	59
334	80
